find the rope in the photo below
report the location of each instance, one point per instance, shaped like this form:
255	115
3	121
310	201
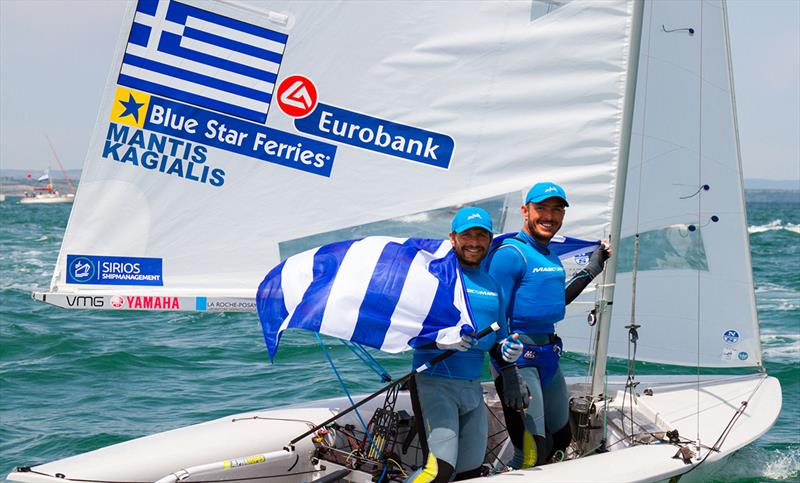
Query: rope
344	388
729	427
367	359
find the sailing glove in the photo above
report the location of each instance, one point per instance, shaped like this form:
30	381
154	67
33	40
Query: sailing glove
598	258
511	348
466	342
515	391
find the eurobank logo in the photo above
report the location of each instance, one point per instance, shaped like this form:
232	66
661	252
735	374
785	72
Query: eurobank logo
130	107
81	270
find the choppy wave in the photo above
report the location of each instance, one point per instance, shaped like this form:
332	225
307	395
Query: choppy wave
780	346
762	464
773	226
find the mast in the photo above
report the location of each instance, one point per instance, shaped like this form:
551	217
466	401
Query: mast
607	296
60	166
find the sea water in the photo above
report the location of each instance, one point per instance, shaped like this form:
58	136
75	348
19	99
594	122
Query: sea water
73	381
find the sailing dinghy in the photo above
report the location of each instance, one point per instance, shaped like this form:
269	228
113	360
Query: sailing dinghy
336	120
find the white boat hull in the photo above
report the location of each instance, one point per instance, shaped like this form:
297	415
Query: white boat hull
47	199
673	405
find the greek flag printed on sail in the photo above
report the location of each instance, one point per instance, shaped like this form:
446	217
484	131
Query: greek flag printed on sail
391	294
202	58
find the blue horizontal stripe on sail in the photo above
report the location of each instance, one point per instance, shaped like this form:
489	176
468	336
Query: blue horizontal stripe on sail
327	260
196	78
170	44
271	308
190	98
232	45
148	7
383	293
178	12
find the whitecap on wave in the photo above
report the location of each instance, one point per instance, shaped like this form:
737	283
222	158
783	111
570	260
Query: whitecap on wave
755	463
780	345
783	465
774	225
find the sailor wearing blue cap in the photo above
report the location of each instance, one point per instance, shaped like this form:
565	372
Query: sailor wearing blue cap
449	393
532	280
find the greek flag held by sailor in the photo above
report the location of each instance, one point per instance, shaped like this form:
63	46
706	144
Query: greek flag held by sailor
202	58
388	293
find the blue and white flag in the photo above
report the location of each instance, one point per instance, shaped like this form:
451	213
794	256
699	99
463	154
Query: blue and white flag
202	58
392	294
574	253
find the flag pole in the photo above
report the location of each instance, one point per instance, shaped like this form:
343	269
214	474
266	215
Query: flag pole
444	355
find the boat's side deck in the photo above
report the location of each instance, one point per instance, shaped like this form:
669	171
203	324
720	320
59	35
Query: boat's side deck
673	405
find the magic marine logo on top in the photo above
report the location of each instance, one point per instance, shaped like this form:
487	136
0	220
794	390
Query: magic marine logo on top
104	270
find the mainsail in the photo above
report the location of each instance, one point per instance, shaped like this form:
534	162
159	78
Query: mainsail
372	126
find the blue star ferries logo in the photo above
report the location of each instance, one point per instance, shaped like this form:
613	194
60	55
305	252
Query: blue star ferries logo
131	107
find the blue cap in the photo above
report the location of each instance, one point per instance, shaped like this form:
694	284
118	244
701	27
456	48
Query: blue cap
542	191
471	217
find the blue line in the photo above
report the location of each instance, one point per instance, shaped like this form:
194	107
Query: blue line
190	98
347	393
196	78
170	44
232	45
178	12
367	359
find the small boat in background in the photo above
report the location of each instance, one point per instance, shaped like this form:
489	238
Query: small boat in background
47	194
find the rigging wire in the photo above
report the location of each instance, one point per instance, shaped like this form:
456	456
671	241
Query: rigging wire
367	359
699	212
344	388
633	334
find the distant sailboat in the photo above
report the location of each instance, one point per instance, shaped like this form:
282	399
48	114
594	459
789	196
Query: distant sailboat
48	195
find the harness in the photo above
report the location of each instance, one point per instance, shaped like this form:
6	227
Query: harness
543	357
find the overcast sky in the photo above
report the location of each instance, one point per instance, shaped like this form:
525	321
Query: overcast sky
55	57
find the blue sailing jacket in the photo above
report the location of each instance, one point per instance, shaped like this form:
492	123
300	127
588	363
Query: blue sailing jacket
532	281
484	300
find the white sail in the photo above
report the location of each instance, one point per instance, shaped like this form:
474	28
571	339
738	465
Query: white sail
684	197
459	103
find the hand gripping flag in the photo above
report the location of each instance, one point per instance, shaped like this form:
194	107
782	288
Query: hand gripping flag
392	294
